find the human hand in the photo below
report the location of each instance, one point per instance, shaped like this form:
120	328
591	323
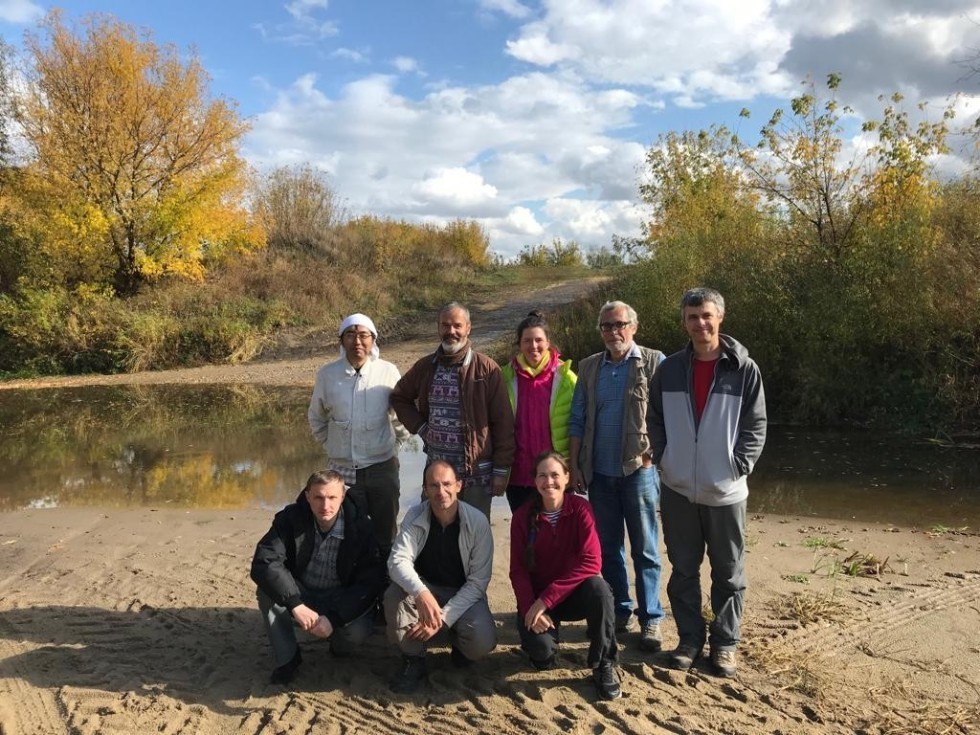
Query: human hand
499	485
430	614
305	617
578	481
533	619
544	623
323	628
422	632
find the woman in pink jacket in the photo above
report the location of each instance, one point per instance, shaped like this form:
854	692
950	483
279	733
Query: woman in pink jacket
555	565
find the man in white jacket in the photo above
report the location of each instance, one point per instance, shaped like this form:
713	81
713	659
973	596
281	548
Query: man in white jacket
350	417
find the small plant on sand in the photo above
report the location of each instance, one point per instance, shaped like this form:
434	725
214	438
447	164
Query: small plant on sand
809	607
864	565
798	578
822	542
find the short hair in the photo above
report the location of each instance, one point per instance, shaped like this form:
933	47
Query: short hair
611	305
453	306
698	296
324	477
438	463
532	320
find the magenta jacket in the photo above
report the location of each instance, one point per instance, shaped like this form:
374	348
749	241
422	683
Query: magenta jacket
565	556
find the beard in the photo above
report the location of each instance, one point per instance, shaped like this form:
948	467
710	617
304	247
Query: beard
452	348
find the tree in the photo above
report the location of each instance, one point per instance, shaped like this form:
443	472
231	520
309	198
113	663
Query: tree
298	208
129	158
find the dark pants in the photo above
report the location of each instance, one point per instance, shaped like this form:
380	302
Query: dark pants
517	495
593	601
689	528
375	490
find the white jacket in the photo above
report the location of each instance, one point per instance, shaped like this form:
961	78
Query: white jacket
349	412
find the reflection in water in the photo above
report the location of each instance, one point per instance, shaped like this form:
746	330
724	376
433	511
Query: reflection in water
247	446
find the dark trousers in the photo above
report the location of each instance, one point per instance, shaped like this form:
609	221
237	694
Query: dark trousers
592	601
375	490
517	495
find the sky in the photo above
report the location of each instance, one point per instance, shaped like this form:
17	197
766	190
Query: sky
533	117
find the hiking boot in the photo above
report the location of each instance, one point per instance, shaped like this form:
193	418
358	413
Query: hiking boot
683	657
285	673
459	659
724	663
410	676
650	639
606	680
624	623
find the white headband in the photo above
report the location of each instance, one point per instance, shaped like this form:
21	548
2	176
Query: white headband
360	320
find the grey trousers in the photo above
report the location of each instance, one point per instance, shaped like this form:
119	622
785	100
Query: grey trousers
474	634
281	627
479	496
689	529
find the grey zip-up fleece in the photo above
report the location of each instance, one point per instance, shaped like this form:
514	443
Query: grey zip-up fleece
709	461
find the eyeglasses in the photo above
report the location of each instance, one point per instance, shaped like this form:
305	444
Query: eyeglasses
614	326
359	336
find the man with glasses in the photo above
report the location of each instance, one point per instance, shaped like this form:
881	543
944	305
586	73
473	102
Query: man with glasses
611	460
350	417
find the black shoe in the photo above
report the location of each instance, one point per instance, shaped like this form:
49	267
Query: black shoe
683	657
459	659
623	624
412	674
544	664
285	673
606	680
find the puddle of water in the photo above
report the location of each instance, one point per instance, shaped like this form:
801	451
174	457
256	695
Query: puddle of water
247	447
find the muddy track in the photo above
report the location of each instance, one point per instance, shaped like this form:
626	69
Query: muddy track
492	320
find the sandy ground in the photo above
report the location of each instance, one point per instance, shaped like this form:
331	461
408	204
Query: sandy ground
144	621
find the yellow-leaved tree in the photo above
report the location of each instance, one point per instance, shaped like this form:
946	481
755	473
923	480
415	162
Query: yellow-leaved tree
133	167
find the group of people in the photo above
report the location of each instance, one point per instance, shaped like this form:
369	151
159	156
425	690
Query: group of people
584	460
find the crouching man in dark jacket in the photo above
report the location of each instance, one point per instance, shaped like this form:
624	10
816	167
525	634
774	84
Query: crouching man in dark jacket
318	568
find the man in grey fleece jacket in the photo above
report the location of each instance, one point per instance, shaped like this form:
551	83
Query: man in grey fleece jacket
707	426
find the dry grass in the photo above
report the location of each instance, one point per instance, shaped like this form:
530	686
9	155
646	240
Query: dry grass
794	670
809	607
901	709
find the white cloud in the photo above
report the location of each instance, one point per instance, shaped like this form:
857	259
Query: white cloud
303	9
20	11
521	221
455	190
405	64
511	8
358	57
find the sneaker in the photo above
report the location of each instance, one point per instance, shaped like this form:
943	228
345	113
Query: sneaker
412	674
459	659
606	680
285	673
724	663
683	657
650	639
624	623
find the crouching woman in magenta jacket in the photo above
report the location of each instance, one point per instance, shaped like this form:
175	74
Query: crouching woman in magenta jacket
555	565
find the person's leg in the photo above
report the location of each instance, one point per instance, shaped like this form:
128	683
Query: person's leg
725	536
474	634
517	495
381	488
401	614
541	648
605	496
477	494
641	491
279	626
684	540
593	601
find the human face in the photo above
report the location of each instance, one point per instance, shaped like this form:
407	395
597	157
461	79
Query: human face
325	502
441	487
534	345
454	330
551	479
358	343
618	340
702	324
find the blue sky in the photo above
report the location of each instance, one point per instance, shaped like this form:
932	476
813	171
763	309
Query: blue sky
532	117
